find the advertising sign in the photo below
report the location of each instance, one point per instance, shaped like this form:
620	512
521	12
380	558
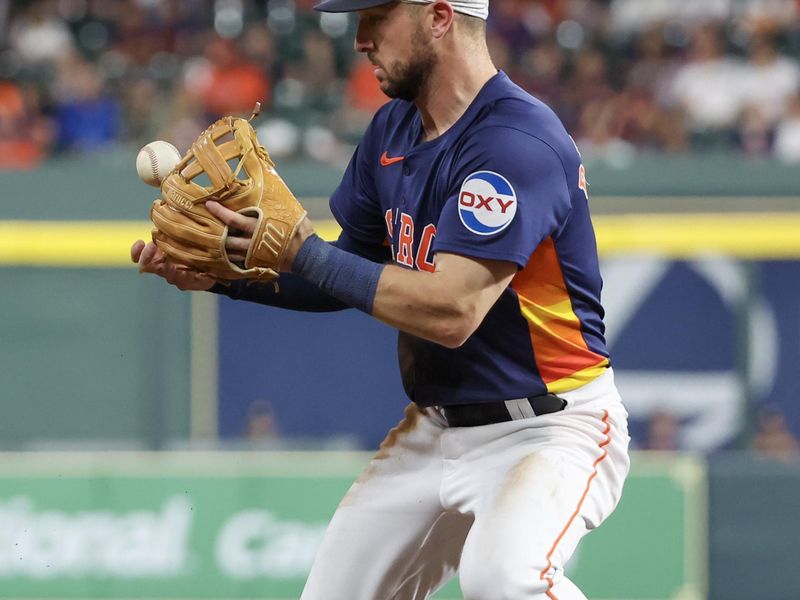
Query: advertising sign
163	526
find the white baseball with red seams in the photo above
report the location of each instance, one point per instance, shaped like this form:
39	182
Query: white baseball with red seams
155	160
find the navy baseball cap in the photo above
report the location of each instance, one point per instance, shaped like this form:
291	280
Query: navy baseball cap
475	8
340	6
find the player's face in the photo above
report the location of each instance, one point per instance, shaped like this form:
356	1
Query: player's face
394	39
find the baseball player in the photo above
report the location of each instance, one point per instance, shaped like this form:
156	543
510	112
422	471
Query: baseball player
465	225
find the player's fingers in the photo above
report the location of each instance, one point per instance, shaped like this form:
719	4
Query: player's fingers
169	272
193	281
236	257
175	274
136	250
186	279
232	218
146	256
236	244
150	258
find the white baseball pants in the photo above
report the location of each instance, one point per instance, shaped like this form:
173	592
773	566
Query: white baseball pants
504	505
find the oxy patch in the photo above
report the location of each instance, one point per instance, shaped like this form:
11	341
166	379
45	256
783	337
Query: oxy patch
486	203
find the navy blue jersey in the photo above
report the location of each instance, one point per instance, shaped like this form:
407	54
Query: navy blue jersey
505	182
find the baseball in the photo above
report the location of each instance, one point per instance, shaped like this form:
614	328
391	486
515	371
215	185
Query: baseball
155	160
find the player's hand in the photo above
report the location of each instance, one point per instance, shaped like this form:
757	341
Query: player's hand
242	227
151	260
240	230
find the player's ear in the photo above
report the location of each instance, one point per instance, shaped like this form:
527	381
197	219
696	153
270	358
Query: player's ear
442	18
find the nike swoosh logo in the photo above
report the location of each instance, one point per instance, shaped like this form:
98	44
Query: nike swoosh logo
386	160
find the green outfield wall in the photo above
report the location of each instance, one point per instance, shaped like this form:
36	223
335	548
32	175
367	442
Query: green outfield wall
105	186
754	528
176	525
95	356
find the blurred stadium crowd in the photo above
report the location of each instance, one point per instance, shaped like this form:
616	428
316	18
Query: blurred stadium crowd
625	76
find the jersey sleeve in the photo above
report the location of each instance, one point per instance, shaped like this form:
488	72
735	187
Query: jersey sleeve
507	192
355	204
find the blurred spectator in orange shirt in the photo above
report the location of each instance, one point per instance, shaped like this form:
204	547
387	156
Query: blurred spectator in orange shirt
232	84
362	97
363	92
25	135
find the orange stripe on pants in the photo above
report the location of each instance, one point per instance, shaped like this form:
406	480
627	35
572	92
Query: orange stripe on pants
600	459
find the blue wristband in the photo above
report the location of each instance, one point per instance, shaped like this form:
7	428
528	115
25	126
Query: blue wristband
345	276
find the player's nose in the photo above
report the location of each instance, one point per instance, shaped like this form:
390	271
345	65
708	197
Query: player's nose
363	41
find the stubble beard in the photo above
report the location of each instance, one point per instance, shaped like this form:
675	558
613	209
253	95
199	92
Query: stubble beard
410	79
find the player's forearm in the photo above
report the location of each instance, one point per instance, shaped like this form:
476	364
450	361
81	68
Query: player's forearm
427	305
289	291
443	307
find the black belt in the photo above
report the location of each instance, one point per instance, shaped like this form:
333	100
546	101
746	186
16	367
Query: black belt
474	415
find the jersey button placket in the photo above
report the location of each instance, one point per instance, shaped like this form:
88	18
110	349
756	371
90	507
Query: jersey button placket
406	183
407	166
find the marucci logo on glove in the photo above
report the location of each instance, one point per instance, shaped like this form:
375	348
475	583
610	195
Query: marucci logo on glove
272	241
486	203
173	196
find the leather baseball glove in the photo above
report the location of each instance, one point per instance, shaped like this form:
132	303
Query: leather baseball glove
190	235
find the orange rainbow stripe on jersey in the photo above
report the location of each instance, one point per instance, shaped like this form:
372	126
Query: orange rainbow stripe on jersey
563	358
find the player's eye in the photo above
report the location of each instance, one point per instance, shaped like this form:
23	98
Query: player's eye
373	20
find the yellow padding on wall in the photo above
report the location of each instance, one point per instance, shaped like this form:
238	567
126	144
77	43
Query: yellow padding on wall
743	235
69	243
82	243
